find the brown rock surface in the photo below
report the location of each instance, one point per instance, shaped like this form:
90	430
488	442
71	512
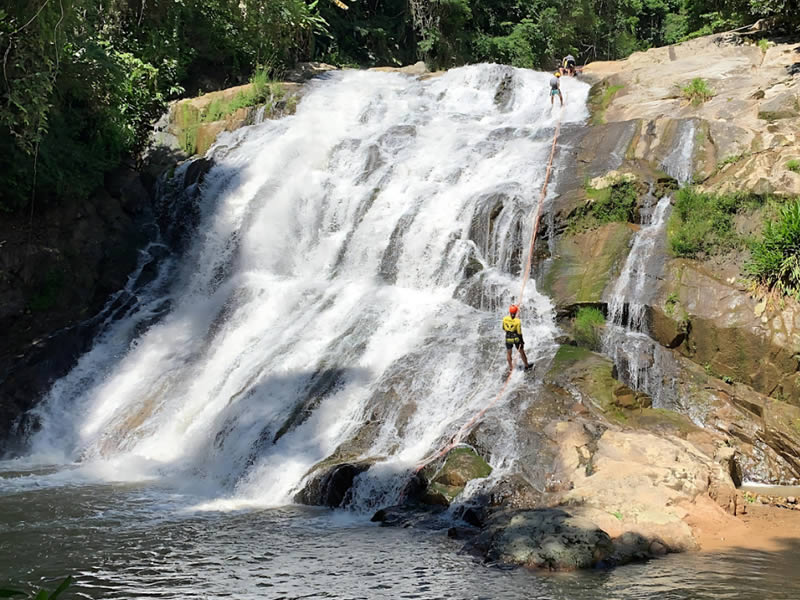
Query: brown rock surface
752	120
736	335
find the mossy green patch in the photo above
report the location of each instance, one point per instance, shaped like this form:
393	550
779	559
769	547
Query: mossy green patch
600	100
585	263
661	419
568	355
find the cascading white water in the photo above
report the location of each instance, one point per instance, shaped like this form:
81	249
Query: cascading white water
640	359
322	303
626	340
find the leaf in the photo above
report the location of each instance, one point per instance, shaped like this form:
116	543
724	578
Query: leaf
68	581
5	593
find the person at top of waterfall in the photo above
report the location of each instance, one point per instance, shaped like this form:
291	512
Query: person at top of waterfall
555	88
512	327
568	64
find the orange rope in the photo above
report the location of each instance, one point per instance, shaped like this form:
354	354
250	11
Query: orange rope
467	427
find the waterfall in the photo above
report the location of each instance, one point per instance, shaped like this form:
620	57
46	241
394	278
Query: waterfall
642	363
338	298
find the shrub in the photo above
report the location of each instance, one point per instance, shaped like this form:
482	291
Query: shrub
587	327
702	223
793	165
697	91
775	260
617	202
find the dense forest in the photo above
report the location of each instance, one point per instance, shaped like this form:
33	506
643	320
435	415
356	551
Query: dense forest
84	79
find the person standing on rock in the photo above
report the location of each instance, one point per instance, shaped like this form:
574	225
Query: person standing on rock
555	88
568	64
512	327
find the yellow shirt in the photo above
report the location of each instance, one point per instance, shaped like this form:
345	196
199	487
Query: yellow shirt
513	327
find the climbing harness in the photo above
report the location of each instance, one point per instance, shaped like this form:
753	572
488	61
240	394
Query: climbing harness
467	427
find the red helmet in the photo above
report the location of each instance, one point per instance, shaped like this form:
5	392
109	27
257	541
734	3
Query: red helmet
513	309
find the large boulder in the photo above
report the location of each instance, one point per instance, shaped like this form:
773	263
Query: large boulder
548	538
446	481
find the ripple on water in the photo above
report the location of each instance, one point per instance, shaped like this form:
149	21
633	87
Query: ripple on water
132	542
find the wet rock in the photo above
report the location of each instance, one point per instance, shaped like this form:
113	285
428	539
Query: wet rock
585	263
714	323
444	483
461	533
505	92
305	71
548	538
410	515
331	486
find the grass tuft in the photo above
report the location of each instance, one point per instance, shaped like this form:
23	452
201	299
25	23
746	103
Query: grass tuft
793	165
775	258
587	327
702	223
697	91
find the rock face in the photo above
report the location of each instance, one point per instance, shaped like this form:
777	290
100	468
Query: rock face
57	272
739	337
586	262
751	123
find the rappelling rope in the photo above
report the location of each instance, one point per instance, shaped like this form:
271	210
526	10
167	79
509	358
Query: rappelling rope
467	427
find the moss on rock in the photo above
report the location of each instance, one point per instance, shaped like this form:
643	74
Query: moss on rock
461	465
586	262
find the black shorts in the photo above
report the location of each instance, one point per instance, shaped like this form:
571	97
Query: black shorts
510	345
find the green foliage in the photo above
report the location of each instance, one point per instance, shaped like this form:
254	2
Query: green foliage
41	594
763	44
775	260
261	91
793	165
670	303
697	91
587	327
702	223
84	79
615	203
